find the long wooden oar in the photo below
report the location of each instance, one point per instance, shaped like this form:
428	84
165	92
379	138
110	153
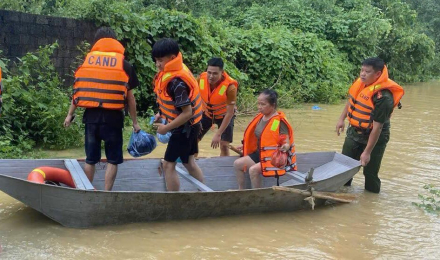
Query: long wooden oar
341	197
235	150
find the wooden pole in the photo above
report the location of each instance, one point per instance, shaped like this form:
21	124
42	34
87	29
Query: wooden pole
235	150
346	198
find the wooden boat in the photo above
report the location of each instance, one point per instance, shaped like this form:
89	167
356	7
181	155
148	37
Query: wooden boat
139	193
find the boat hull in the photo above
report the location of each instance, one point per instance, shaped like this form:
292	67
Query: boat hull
89	208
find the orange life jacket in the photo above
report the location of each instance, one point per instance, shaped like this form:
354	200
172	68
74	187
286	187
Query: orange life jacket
101	81
215	101
269	144
176	69
361	99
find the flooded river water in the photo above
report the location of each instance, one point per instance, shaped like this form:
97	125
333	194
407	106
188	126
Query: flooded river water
377	226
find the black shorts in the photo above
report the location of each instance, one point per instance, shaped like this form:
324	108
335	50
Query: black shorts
183	145
255	156
112	137
227	135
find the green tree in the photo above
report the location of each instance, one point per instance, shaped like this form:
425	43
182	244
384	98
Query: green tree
407	50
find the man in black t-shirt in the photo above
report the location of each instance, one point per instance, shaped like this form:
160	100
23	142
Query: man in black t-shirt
103	121
177	94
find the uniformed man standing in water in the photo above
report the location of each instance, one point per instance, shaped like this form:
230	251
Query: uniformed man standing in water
372	98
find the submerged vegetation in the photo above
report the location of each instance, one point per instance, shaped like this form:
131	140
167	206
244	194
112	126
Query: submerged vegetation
309	50
430	202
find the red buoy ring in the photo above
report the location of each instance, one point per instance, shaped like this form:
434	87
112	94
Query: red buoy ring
42	174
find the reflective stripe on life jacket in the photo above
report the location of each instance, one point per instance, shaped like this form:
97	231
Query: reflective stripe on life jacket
102	81
269	144
176	69
361	99
215	101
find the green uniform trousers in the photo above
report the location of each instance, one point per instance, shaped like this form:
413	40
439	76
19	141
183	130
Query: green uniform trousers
354	150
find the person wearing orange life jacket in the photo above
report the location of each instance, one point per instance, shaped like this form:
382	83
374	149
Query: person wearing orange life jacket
261	141
104	87
179	101
219	94
372	99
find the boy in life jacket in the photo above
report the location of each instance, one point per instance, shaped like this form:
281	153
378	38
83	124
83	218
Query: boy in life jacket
104	87
372	99
219	93
178	97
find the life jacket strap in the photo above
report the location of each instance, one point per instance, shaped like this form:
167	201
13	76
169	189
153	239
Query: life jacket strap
103	81
100	101
106	91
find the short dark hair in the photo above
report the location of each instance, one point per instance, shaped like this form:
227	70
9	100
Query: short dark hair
377	63
272	97
165	47
105	32
216	62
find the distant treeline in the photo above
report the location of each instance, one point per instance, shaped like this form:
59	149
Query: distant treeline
309	50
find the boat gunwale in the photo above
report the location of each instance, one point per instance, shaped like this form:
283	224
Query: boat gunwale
104	191
334	153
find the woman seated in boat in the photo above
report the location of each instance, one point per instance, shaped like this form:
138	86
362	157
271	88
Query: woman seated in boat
261	141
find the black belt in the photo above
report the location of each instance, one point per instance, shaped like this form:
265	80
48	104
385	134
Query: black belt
361	130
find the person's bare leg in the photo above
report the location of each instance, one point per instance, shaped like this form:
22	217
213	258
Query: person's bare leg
89	170
110	175
196	155
171	177
255	174
194	169
241	165
224	148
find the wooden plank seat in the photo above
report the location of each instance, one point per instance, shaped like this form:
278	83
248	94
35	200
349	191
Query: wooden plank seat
201	186
297	178
78	175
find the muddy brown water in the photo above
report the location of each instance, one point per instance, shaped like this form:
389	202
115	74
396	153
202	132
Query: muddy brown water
384	226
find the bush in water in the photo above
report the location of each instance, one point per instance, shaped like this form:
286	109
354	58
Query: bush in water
431	201
34	107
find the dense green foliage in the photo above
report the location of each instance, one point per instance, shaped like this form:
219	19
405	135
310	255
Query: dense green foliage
34	107
430	202
386	28
297	64
428	14
407	50
308	50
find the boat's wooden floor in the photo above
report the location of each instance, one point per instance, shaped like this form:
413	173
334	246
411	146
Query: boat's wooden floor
219	173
